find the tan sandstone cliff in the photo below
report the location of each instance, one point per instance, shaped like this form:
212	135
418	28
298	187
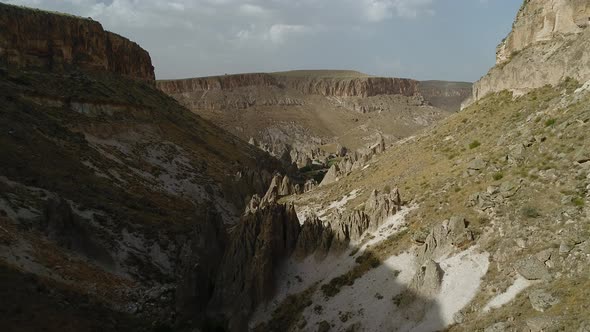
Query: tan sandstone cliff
548	43
34	38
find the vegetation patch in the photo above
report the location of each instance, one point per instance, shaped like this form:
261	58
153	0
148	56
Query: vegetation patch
474	144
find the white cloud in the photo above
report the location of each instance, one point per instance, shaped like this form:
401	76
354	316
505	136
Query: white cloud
279	33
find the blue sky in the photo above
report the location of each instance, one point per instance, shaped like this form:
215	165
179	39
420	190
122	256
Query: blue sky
421	39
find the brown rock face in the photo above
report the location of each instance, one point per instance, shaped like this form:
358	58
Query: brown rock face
353	87
337	87
227	82
33	38
258	244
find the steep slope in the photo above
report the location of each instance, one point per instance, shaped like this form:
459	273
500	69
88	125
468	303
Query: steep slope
305	116
492	231
115	201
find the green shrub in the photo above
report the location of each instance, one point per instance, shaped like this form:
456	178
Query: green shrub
549	122
578	201
530	212
474	144
498	176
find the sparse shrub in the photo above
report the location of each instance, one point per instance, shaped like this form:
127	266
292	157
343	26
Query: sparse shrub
387	189
378	296
578	201
530	212
498	176
474	144
318	309
549	122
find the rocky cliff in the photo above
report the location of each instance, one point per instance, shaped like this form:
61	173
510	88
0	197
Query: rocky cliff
34	38
547	44
352	87
543	20
325	86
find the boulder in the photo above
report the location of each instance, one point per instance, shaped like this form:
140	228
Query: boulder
542	300
331	176
532	269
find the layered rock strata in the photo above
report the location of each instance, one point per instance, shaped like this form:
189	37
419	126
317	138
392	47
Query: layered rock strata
56	42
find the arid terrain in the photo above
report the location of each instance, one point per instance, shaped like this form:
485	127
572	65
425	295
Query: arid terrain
310	200
305	116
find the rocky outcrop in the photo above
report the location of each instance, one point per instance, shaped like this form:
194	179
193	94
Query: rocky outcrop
325	86
34	38
331	176
224	83
443	239
352	87
315	238
543	20
353	161
258	244
427	280
548	44
379	206
351	226
280	186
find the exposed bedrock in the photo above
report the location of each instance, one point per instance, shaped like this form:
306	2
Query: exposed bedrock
33	38
548	44
325	86
263	238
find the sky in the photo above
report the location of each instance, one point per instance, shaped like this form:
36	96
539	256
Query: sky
421	39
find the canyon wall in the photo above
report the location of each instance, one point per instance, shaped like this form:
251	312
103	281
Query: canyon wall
337	87
548	43
352	87
39	39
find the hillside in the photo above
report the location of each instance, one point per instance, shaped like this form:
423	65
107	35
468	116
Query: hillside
107	188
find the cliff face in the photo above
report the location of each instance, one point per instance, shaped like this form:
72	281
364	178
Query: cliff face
548	43
337	87
227	82
33	38
542	20
353	87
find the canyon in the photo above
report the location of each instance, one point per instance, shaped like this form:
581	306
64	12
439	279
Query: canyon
292	201
309	116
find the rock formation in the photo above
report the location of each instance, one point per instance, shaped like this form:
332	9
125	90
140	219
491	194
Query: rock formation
547	44
352	87
443	239
340	87
258	244
543	20
33	38
315	238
